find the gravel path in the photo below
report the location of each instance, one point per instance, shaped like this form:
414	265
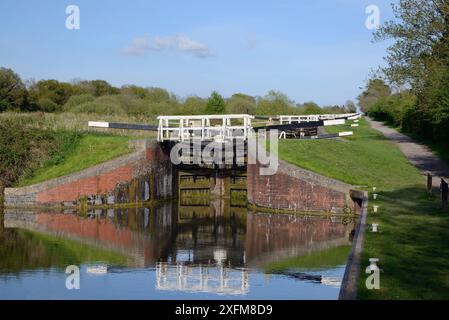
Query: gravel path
419	155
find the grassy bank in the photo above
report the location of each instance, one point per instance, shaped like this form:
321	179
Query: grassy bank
31	150
412	247
89	150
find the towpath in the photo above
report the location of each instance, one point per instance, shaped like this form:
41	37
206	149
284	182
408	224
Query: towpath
419	155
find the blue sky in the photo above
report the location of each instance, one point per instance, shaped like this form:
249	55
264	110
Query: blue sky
317	50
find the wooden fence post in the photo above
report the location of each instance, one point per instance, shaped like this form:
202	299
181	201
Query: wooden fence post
429	183
444	193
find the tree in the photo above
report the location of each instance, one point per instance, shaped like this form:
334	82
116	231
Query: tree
193	105
241	103
310	108
215	104
137	91
157	95
376	89
275	103
50	95
421	29
350	106
419	58
96	88
13	94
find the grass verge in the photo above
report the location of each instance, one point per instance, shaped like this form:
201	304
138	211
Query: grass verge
412	245
77	153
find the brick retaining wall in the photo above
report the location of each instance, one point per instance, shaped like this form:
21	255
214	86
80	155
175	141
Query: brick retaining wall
293	188
148	160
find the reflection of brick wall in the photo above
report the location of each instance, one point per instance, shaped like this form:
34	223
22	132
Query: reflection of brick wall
94	229
101	179
294	188
268	233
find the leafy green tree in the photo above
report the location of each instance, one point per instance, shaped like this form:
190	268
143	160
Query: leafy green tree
310	108
76	100
50	95
241	103
334	109
96	88
13	94
215	104
376	89
420	28
419	59
193	105
392	109
275	103
137	91
157	95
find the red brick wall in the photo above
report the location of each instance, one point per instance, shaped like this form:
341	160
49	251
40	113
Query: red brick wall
102	183
72	191
284	191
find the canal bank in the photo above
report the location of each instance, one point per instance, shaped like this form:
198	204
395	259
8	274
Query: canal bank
413	229
146	176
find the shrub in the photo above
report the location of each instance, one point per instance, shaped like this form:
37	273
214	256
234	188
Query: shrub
106	105
77	100
47	105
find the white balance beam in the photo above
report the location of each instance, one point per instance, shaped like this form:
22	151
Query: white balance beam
98	124
333	122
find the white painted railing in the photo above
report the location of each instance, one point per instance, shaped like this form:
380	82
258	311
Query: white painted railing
204	127
288	119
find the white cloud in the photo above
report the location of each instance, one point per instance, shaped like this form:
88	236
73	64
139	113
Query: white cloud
179	43
137	47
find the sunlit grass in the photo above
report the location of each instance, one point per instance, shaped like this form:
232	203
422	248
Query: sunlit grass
90	150
413	243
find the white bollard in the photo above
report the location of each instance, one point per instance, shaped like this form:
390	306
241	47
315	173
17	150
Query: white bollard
375	196
375	209
373	264
374	227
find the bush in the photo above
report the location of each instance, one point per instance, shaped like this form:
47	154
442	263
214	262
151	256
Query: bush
47	105
392	109
237	105
106	105
77	100
22	148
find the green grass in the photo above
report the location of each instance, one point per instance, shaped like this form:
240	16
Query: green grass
77	154
319	260
413	246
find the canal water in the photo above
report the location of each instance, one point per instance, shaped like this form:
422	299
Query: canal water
172	251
